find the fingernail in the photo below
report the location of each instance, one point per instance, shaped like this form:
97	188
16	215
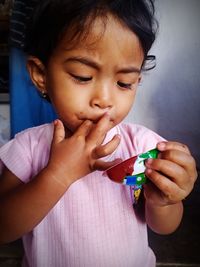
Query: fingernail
149	161
161	146
55	122
118	136
148	171
106	114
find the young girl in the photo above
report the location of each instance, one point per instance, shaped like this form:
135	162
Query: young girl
87	57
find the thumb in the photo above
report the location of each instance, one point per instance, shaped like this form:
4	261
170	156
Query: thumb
59	132
101	165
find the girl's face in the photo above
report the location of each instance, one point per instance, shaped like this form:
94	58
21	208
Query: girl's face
99	74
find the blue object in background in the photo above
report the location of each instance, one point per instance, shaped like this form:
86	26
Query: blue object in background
27	107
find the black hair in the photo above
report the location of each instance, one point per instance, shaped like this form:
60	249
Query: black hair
52	18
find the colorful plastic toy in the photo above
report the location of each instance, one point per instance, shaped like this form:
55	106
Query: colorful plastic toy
131	171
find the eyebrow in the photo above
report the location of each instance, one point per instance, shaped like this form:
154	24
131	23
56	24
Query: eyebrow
94	65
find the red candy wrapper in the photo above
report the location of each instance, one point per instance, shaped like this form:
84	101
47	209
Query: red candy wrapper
131	171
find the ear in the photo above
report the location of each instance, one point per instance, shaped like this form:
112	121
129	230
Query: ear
37	73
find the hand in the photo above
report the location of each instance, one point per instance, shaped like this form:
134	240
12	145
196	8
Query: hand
78	155
172	175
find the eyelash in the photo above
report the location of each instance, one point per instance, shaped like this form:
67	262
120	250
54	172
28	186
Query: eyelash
82	80
125	85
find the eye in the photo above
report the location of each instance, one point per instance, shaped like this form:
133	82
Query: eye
124	85
81	79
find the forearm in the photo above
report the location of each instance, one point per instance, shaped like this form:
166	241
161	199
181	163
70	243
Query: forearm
164	220
23	208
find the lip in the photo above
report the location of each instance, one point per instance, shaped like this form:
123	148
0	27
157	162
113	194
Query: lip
94	119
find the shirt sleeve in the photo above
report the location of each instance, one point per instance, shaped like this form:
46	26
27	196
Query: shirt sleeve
28	153
143	138
16	156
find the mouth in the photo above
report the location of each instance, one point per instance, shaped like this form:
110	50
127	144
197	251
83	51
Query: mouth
96	120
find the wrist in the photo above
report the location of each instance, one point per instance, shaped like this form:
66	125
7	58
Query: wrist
161	206
56	175
163	219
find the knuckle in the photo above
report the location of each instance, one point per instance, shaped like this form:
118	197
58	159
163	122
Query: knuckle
79	138
169	197
169	154
156	177
104	150
192	162
157	164
186	148
182	173
100	132
194	177
168	193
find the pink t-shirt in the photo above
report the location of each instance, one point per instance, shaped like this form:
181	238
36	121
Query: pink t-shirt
94	223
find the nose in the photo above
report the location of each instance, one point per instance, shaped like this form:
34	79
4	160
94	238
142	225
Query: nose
102	98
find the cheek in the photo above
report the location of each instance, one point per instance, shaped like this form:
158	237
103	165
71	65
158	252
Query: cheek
68	101
127	103
63	93
123	108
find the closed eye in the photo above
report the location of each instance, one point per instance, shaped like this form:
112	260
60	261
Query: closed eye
124	85
80	79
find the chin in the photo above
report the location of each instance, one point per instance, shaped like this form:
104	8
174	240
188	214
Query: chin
69	129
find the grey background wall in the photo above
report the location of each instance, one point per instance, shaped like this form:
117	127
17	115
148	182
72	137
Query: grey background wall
168	100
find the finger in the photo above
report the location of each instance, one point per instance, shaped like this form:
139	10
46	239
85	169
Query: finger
171	170
183	159
99	130
170	189
83	129
163	146
107	149
152	194
59	132
101	165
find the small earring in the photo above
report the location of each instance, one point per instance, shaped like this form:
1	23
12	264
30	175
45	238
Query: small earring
44	94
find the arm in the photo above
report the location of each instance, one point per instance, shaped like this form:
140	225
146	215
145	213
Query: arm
164	220
172	177
23	206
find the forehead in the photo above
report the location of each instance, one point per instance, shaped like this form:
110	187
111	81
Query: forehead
104	33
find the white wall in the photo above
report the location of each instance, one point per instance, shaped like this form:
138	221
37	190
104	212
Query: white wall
4	123
168	100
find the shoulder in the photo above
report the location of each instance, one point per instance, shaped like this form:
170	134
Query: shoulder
32	138
137	130
28	151
139	137
30	135
35	133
